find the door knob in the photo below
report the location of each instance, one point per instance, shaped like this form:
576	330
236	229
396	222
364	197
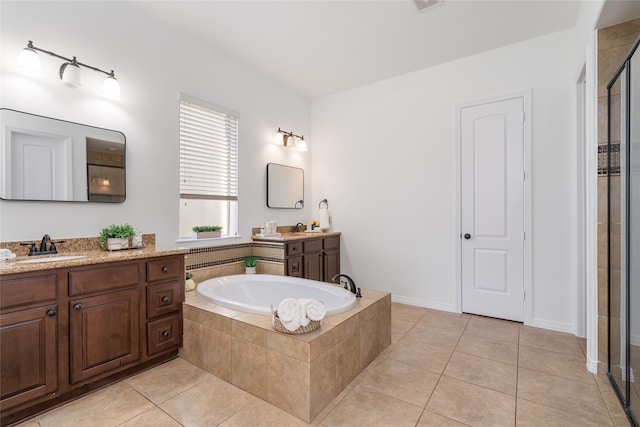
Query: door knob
165	299
51	313
467	236
77	307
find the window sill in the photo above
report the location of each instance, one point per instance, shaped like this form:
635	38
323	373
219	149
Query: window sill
194	243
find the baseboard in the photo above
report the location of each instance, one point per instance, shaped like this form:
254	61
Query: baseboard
554	326
418	302
592	365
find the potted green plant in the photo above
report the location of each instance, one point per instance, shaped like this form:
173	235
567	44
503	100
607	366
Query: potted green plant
207	231
189	284
116	237
250	263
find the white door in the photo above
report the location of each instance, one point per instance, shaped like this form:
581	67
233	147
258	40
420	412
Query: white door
492	208
41	166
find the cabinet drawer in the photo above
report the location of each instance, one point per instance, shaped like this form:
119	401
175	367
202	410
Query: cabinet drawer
164	269
332	243
294	248
163	298
96	279
28	290
313	245
163	334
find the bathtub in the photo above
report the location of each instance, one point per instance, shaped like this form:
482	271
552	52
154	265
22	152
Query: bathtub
258	293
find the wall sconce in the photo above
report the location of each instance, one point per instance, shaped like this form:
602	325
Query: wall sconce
288	140
70	72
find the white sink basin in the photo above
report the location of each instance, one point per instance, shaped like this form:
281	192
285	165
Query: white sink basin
51	259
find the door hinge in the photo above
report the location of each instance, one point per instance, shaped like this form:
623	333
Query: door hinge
523	118
524	295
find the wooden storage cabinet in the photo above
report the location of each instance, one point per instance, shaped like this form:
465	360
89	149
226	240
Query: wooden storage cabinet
29	354
313	258
66	331
165	294
104	332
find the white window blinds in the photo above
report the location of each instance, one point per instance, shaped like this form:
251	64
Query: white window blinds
208	153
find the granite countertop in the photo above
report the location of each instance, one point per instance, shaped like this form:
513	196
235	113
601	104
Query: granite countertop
90	257
287	237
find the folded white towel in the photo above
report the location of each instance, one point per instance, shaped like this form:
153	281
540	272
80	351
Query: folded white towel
316	310
6	254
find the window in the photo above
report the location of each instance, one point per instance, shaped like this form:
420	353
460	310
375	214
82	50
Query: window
208	167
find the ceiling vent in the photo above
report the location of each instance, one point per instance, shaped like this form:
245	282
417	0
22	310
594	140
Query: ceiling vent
425	4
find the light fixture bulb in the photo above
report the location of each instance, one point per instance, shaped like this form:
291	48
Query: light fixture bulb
111	87
278	138
29	62
302	145
290	142
71	74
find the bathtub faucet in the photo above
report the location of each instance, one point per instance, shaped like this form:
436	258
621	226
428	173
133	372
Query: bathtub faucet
349	281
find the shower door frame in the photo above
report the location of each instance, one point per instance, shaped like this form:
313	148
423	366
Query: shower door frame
624	71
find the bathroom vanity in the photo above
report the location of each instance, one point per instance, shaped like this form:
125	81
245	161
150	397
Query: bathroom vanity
314	256
68	327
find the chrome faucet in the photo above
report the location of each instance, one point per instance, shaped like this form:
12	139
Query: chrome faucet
348	282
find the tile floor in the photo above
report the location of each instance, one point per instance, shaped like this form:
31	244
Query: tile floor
442	369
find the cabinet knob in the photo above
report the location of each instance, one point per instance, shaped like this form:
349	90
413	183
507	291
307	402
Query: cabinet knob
165	299
165	269
165	334
77	307
51	313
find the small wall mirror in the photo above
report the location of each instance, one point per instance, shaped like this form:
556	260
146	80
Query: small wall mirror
285	187
47	159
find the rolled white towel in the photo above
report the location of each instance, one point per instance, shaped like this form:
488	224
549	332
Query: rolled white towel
296	322
316	310
5	251
287	309
304	320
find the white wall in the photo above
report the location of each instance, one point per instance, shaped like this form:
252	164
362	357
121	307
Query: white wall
153	64
385	159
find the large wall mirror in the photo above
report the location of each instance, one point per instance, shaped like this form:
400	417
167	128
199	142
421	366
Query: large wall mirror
47	159
285	186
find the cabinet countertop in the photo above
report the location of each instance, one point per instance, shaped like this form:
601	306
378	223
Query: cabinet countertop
89	258
288	237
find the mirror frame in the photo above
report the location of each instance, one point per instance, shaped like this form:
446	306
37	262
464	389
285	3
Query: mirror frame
79	191
275	184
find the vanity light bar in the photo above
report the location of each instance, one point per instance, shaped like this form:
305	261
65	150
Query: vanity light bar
69	70
288	140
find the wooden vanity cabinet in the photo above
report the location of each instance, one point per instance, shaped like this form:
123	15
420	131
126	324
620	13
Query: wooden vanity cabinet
67	331
28	339
313	258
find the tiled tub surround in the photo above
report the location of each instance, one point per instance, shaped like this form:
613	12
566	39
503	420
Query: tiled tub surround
300	374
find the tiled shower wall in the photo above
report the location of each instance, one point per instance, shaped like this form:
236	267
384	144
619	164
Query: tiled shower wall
613	46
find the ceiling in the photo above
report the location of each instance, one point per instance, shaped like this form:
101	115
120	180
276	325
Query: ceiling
321	47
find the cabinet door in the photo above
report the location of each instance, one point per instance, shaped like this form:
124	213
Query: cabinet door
28	350
313	266
105	333
294	266
331	264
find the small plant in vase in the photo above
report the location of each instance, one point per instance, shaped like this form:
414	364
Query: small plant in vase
207	231
116	237
189	283
250	263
